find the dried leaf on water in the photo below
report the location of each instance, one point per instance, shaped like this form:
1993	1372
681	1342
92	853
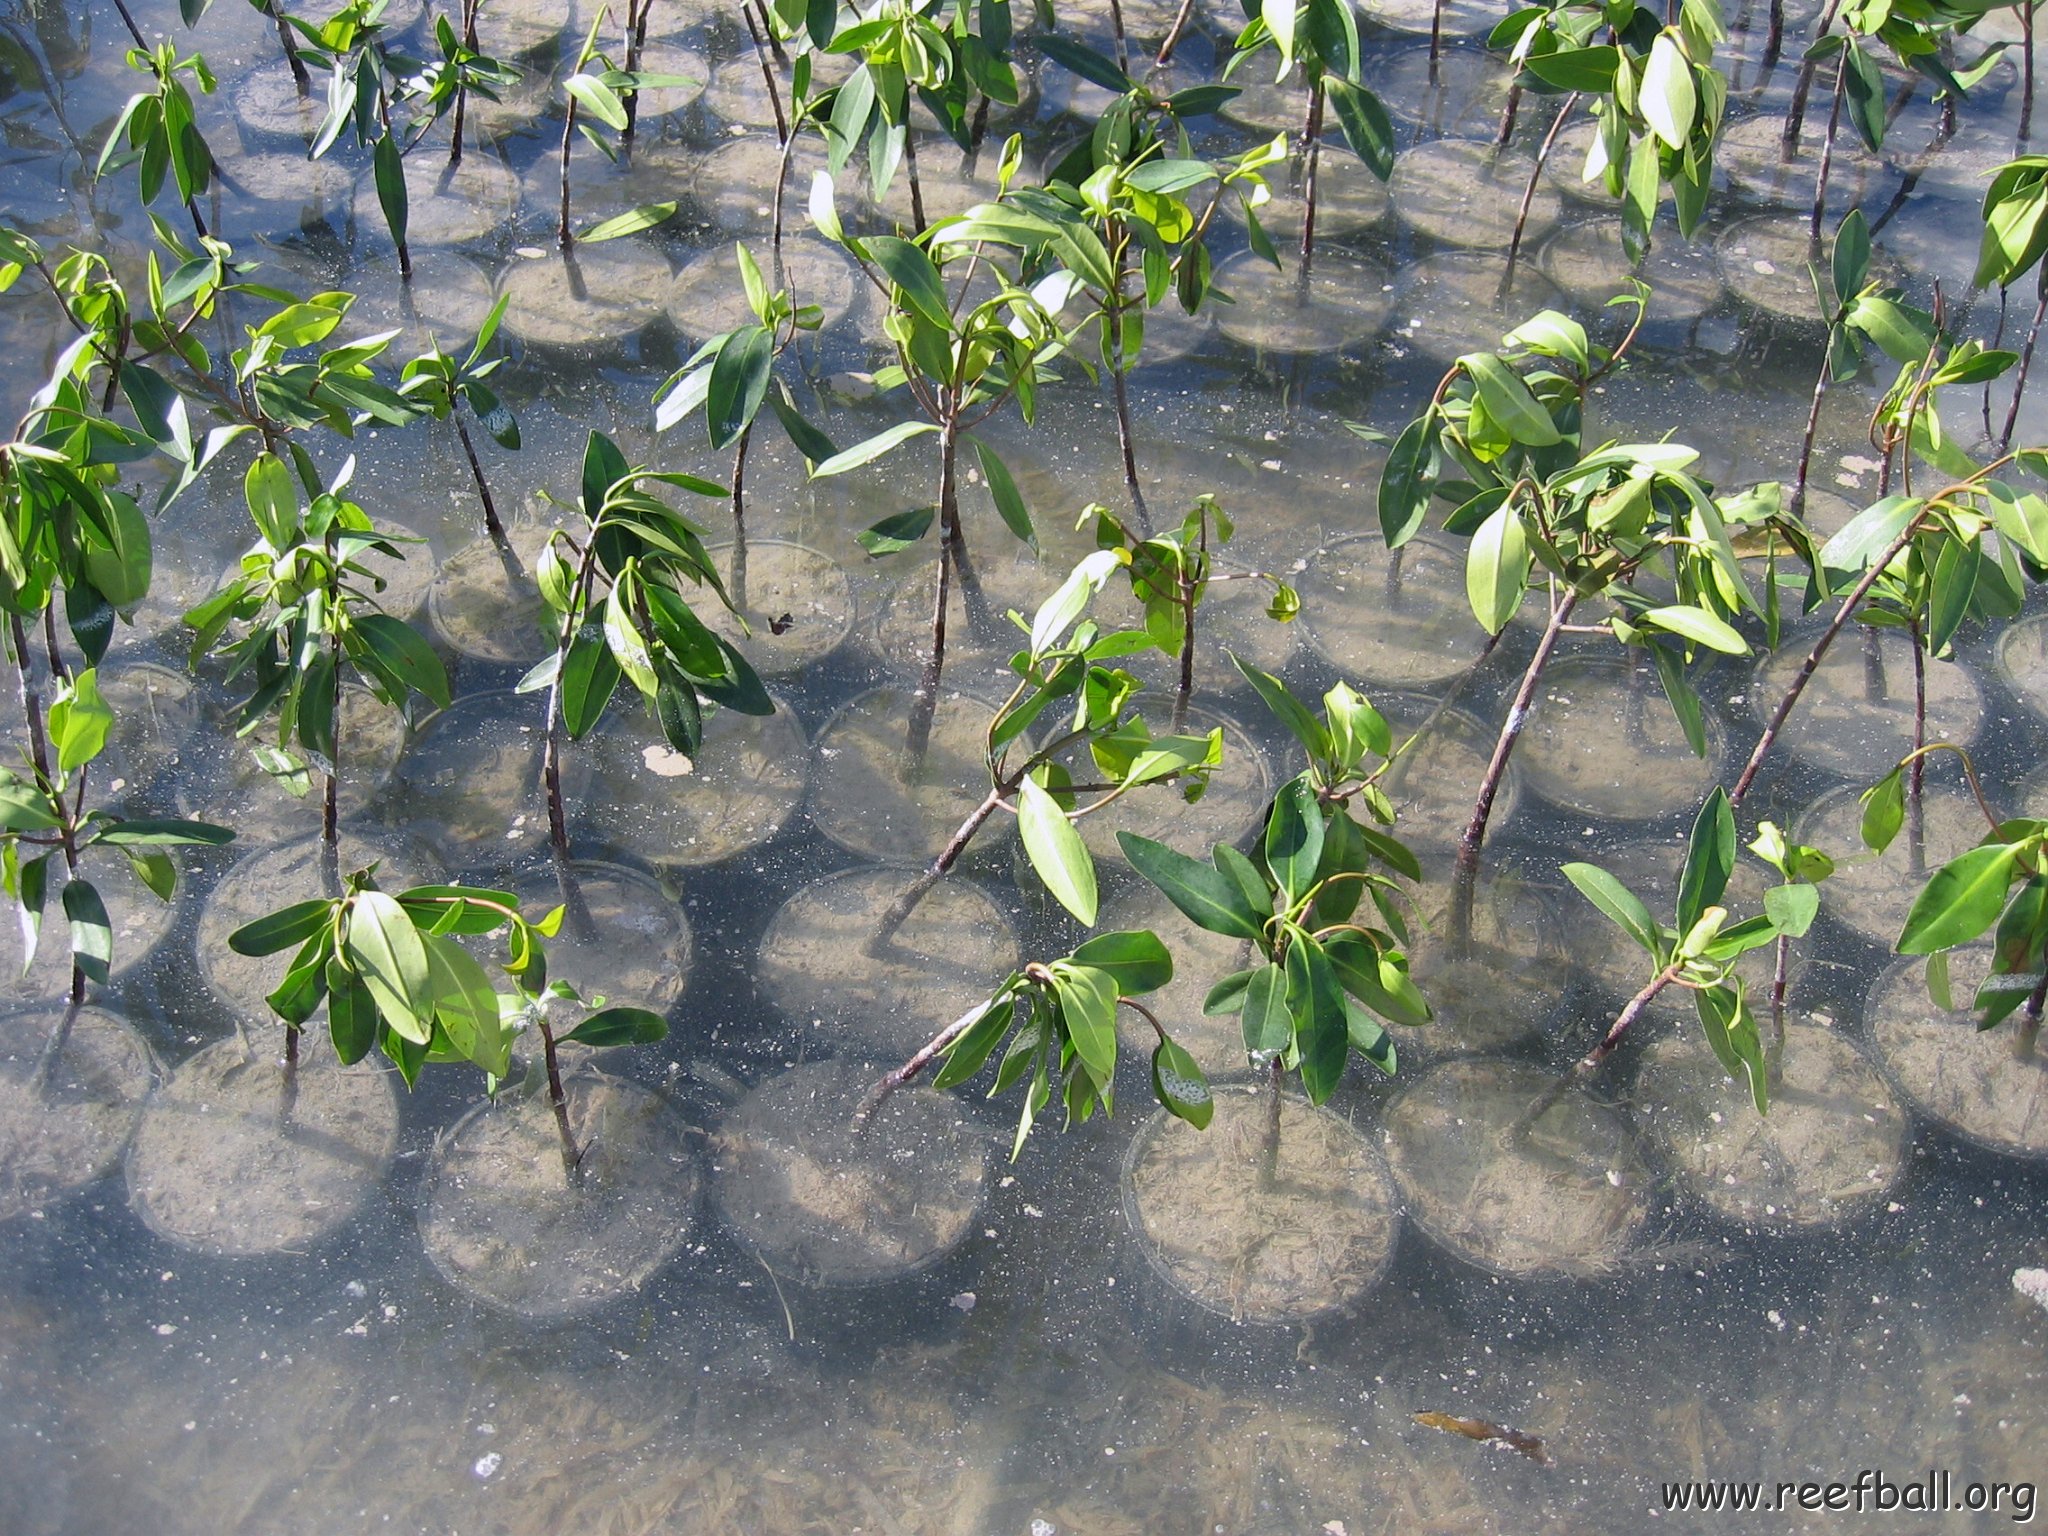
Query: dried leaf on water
1488	1433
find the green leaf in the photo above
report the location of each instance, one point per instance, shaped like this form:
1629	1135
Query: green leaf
620	1026
1884	811
1508	401
1732	1033
156	872
1364	122
1268	1026
964	1057
386	950
1294	838
1056	850
1851	258
388	172
598	99
146	832
92	935
1617	901
351	1013
739	383
466	1006
1285	707
912	272
631	222
284	929
1408	482
1179	1084
1962	901
1135	960
1322	1025
1666	97
1009	500
79	721
813	444
897	532
871	449
1497	568
590	675
24	809
1088	1005
1698	626
1204	894
1791	908
1709	859
401	651
1863	84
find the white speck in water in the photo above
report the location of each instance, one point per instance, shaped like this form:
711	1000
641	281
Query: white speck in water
964	1301
165	1330
1043	1528
488	1464
1763	269
1614	1177
487	1429
666	762
2032	1284
357	1289
1777	1319
529	252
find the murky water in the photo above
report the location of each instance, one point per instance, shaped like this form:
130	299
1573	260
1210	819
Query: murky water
1031	1366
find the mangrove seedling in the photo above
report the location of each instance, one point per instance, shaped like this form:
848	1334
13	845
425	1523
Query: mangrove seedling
2002	882
1171	573
1064	658
603	93
1791	907
616	585
157	131
1320	39
730	377
961	364
1699	951
444	386
1060	1021
444	85
304	613
43	816
2015	215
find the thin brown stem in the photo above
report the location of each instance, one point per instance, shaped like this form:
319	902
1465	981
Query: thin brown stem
1181	18
558	1100
1827	152
925	1055
492	525
1535	174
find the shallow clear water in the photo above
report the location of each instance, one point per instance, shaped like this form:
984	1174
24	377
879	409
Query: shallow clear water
1041	1372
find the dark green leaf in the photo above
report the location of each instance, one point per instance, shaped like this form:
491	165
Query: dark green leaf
1135	960
1268	1026
92	935
1204	894
1961	902
1709	859
283	929
620	1026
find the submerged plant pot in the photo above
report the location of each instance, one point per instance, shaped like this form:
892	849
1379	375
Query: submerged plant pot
1308	1241
1566	1197
587	297
1872	893
1587	261
980	639
1750	152
680	812
2022	660
71	1130
1432	781
708	299
157	716
737	94
446	205
263	812
1501	987
1989	1087
1565	173
624	935
871	799
1456	18
138	919
1461	96
734	185
798	605
447	301
816	967
1856	716
490	611
1833	1143
270	881
503	1222
1605	743
1466	192
1451	303
470	782
1396	617
1350	200
816	1200
1231	809
218	1166
1343	303
1763	261
281	194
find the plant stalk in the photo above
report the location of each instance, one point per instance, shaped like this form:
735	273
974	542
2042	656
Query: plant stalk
1535	175
558	1100
1827	154
492	525
1181	18
2019	386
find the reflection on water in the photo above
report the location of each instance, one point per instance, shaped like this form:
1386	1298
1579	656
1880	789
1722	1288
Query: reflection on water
1666	1293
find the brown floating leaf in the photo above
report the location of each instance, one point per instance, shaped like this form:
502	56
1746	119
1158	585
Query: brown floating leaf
1488	1433
781	626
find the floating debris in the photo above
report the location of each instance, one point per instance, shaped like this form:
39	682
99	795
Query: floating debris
1486	1432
